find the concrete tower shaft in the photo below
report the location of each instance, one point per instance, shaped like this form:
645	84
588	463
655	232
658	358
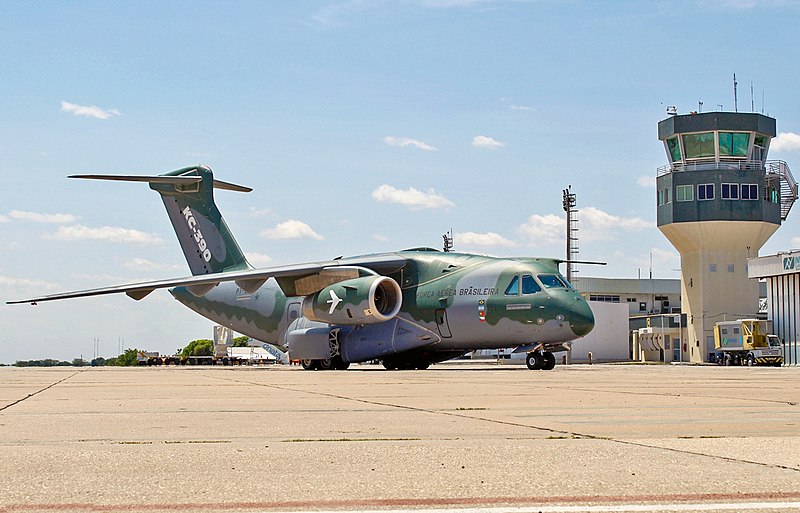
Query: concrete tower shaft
719	201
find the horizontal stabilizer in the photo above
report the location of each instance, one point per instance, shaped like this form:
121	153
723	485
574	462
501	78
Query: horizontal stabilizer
165	179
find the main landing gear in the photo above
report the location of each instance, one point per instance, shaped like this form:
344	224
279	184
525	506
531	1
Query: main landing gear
335	363
540	360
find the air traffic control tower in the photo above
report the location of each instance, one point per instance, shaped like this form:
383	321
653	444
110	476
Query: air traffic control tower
719	200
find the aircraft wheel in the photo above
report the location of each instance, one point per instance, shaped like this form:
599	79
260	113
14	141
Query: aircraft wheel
534	360
309	364
340	364
390	365
423	365
549	361
325	364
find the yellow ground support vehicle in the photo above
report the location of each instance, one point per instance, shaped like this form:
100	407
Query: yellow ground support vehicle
747	342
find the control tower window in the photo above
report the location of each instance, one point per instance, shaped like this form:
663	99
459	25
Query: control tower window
705	191
684	193
698	146
674	148
760	147
730	191
749	191
733	144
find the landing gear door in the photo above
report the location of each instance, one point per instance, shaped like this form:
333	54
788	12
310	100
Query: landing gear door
441	323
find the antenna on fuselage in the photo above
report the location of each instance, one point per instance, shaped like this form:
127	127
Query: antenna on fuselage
448	241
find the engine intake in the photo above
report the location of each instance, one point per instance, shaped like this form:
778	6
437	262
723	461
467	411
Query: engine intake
365	300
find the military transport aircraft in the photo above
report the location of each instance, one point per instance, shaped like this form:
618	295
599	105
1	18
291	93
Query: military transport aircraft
407	309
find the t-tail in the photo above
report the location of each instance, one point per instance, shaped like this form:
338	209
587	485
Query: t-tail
188	195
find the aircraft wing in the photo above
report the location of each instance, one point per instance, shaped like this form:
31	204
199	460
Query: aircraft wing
291	278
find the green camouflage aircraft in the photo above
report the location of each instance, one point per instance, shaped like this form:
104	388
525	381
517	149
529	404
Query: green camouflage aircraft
408	309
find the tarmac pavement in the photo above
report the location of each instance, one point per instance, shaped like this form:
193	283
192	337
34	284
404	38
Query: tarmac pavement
465	437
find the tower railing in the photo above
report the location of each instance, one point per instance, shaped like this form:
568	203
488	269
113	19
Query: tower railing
711	165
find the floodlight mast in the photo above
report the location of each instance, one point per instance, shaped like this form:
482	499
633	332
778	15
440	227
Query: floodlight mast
568	202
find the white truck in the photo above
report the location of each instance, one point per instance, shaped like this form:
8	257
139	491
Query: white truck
747	342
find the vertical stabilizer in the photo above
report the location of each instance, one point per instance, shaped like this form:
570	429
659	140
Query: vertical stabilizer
206	240
188	196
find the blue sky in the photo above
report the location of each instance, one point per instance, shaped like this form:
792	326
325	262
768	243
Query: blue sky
363	126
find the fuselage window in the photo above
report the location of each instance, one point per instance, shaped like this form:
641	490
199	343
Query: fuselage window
513	287
529	285
551	281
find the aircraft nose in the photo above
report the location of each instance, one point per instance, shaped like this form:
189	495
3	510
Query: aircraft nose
581	318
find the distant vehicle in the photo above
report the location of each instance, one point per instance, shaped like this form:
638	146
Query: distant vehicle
747	342
408	309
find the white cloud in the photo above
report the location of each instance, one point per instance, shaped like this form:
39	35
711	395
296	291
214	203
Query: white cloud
260	212
104	233
523	107
4	219
380	237
22	283
411	197
646	181
544	230
482	239
291	229
402	142
142	264
795	242
37	217
785	141
257	259
91	111
594	224
597	224
481	141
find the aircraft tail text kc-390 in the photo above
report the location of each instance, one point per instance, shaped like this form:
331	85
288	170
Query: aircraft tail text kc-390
408	309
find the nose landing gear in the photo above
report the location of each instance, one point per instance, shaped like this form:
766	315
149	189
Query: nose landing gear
540	360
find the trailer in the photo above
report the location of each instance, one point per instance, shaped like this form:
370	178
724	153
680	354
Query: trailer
747	342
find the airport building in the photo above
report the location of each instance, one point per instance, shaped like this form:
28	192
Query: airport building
781	273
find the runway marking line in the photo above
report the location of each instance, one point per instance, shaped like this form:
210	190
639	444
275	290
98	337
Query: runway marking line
556	504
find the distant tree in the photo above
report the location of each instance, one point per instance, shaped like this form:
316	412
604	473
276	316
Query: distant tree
79	362
47	362
126	359
99	362
241	341
199	347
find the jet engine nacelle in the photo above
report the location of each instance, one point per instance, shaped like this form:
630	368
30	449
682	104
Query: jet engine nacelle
365	300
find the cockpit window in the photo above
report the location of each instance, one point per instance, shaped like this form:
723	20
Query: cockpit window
529	285
513	287
552	281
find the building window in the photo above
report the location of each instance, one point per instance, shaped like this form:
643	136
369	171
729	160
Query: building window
729	191
712	268
606	298
749	191
674	148
730	268
698	146
642	306
705	191
631	300
660	197
684	193
667	196
732	144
